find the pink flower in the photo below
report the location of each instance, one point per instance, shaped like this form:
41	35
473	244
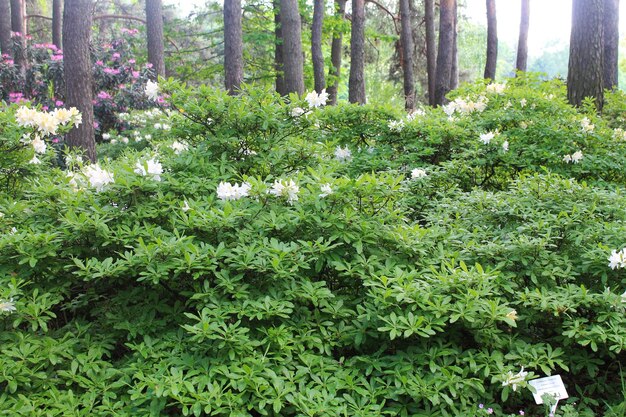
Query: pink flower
9	62
121	86
56	57
96	125
58	103
131	61
103	95
16	34
149	65
100	63
45	108
55	140
135	74
116	56
111	71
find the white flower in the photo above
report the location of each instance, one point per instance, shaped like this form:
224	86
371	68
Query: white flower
123	139
514	379
505	146
523	102
113	141
326	190
152	90
586	125
396	125
64	116
617	259
577	157
567	158
35	160
624	297
619	134
497	88
186	206
227	191
485	138
297	112
418	173
98	177
316	100
415	113
151	167
106	136
7	306
449	109
39	145
287	189
343	154
179	147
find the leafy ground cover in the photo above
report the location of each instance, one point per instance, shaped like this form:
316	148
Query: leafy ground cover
246	256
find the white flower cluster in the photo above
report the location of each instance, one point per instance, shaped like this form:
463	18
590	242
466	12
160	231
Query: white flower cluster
485	138
287	189
326	190
523	102
619	134
317	100
343	154
618	259
179	147
150	168
227	191
162	126
586	125
396	125
465	106
414	114
152	90
496	88
418	173
574	158
47	123
97	176
7	306
514	379
297	112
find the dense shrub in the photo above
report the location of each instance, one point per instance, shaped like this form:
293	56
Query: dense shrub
269	258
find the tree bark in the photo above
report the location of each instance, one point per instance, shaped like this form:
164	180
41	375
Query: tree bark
154	29
356	83
6	44
233	46
584	75
611	43
316	45
18	25
77	17
336	50
522	43
431	52
57	23
454	71
492	41
279	66
445	50
406	40
292	47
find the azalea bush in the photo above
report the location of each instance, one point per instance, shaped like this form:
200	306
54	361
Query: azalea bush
283	258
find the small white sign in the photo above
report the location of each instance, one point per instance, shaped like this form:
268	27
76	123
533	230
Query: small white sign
552	385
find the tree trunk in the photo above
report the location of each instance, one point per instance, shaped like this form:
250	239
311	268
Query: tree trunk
233	46
431	52
611	43
356	83
316	45
292	47
406	39
278	51
584	72
492	41
454	71
522	43
18	25
57	23
77	16
336	50
154	29
6	44
445	51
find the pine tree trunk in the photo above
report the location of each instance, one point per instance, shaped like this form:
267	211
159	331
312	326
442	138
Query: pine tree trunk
233	46
279	66
6	44
406	39
336	50
522	43
611	43
431	52
492	41
584	75
445	51
316	45
292	47
454	71
57	23
154	29
77	17
356	83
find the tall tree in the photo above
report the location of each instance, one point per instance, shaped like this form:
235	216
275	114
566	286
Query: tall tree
406	39
431	52
292	46
336	53
77	18
316	45
18	25
233	46
445	51
6	44
154	27
611	43
454	71
57	23
356	83
278	50
522	43
584	72
492	41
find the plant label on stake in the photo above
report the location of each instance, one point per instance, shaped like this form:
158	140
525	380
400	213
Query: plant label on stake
551	385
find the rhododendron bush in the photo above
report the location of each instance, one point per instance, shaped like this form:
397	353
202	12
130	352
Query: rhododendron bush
284	258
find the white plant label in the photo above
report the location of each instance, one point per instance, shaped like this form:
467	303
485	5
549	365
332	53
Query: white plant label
552	385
